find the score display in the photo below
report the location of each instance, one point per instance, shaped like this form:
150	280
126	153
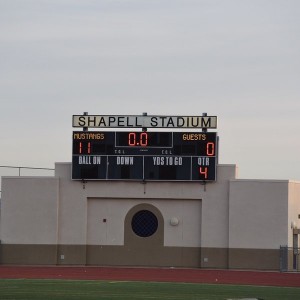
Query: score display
144	155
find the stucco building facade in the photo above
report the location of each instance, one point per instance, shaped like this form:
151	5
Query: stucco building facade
231	223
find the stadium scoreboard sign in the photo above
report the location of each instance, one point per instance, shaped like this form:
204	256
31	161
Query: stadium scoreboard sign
120	121
144	155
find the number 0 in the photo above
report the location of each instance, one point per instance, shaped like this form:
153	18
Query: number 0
132	139
210	149
144	139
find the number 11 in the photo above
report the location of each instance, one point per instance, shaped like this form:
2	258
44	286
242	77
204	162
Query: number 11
88	148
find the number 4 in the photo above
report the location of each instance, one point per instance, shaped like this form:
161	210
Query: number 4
203	171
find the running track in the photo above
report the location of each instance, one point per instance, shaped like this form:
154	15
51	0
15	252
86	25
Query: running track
152	274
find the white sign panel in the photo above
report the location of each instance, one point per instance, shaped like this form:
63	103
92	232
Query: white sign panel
123	121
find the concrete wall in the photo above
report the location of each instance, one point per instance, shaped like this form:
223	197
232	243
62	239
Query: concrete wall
29	217
106	217
84	206
258	222
74	204
227	224
215	219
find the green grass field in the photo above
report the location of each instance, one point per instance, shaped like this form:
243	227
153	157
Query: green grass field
73	289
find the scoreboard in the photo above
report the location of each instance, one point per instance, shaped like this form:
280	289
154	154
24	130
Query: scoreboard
144	155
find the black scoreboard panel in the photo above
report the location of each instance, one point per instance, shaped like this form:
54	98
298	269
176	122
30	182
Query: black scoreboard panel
145	155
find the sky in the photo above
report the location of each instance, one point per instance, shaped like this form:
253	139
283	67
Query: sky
238	60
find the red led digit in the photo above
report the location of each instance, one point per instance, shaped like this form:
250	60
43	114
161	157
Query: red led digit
89	148
210	149
80	147
203	171
144	139
131	139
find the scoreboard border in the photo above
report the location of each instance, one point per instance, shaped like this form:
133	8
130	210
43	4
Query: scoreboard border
143	166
